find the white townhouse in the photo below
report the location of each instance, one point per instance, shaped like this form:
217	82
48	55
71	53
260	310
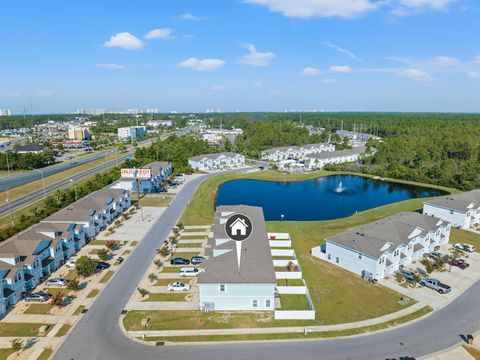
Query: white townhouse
460	210
378	249
295	152
318	161
216	161
226	285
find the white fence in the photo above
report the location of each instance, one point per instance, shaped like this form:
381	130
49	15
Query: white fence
291	289
280	243
294	314
284	262
280	252
288	274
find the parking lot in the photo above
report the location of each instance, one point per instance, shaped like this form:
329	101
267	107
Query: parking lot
459	280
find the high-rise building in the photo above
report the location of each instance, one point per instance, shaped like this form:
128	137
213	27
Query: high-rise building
5	112
131	133
78	133
94	112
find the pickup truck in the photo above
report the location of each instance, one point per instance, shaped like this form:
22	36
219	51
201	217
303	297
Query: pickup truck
436	285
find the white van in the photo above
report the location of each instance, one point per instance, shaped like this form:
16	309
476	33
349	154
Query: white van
189	272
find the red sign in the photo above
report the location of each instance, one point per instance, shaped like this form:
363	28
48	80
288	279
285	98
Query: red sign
136	173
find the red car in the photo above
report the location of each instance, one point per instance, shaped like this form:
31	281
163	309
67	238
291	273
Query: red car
459	263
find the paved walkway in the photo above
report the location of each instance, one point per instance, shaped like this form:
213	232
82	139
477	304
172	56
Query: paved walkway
458	353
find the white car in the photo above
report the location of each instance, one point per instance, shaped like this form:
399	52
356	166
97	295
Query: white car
70	264
178	286
56	282
189	272
464	247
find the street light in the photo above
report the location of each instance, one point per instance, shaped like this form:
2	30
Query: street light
9	208
75	188
43	181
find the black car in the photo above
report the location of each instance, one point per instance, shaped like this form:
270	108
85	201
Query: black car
101	265
195	260
179	261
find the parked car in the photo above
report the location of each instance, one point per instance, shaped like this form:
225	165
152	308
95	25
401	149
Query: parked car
178	286
460	263
37	297
436	256
188	173
436	285
195	260
101	265
408	275
56	282
189	272
70	264
179	261
465	247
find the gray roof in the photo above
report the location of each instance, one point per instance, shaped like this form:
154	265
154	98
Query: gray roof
31	148
459	202
213	156
256	265
369	239
157	166
282	148
337	153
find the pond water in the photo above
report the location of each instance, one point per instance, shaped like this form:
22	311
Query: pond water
325	198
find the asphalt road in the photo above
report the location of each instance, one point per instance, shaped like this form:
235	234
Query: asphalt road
98	336
38	194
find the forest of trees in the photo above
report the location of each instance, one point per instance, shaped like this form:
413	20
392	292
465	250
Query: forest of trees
18	161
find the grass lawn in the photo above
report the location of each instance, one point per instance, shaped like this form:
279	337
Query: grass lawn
63	330
192	237
78	310
55	291
106	277
127	252
166	297
71	275
464	236
38	309
134	243
290	282
282	257
472	351
21	329
156	200
103	242
173	269
5	353
93	293
189	245
320	334
45	355
294	302
185	255
165	282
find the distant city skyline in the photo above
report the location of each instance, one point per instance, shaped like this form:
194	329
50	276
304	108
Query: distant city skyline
241	55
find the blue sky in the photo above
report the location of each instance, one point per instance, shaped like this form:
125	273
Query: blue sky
247	55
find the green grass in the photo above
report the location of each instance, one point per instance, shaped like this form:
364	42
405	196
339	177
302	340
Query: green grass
185	255
5	353
38	309
189	245
472	351
134	243
156	200
464	236
55	291
282	257
103	242
93	293
63	330
166	297
172	269
290	282
46	353
284	336
165	282
294	302
192	237
78	310
21	329
71	275
106	277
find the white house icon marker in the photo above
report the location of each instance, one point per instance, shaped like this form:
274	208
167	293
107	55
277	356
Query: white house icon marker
238	227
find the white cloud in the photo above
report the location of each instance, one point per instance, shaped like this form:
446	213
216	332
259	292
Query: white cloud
201	64
329	81
474	74
444	61
164	33
412	7
319	8
111	66
255	58
341	69
341	50
310	71
15	94
188	36
124	40
190	17
416	74
217	87
476	59
258	83
44	93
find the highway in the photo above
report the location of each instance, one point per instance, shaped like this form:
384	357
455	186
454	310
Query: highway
38	194
98	335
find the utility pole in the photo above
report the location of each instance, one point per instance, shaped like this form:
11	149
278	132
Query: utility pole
8	166
10	209
138	192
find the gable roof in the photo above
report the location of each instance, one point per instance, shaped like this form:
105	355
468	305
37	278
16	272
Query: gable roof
460	202
213	156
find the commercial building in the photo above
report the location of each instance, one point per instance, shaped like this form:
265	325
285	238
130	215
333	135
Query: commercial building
31	149
219	136
380	248
295	152
78	133
225	284
160	123
131	133
216	161
460	210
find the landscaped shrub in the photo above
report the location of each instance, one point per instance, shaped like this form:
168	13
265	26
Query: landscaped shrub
152	277
143	292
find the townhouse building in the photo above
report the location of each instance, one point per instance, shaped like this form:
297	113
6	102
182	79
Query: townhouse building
319	160
295	152
160	170
216	161
380	248
460	210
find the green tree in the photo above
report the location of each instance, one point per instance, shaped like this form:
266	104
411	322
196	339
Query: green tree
84	266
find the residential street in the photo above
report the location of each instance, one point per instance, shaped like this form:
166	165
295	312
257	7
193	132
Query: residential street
98	335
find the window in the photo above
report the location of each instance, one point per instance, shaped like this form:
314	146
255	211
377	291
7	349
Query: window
255	303
222	288
360	256
337	260
329	256
451	212
268	303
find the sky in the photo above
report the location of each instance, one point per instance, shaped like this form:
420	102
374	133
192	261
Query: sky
240	55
